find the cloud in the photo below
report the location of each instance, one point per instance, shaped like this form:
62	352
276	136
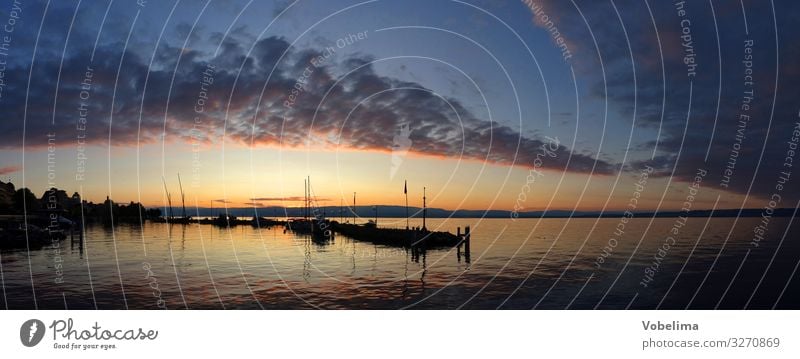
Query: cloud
646	81
10	169
132	102
286	199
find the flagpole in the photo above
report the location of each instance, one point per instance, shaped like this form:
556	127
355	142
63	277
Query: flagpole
424	207
305	197
405	191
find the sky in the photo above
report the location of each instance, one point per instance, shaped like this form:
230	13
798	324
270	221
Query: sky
514	105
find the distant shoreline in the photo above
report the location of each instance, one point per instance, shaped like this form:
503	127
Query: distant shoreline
416	212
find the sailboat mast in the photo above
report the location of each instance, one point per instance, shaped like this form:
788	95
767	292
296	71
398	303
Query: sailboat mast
305	198
183	197
169	197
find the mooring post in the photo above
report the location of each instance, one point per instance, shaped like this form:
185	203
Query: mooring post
467	235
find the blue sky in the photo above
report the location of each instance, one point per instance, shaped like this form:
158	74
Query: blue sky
480	82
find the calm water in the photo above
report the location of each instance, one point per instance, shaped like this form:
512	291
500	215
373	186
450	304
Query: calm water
523	264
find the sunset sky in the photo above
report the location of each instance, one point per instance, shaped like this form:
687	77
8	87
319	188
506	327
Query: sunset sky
480	85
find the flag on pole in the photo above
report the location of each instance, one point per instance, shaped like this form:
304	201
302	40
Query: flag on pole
405	187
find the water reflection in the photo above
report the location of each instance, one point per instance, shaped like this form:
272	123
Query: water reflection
203	266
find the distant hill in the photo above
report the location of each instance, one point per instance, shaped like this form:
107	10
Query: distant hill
416	212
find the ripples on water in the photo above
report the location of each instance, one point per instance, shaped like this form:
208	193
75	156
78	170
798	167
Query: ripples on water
511	265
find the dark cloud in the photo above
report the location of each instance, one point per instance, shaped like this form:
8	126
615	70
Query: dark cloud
133	102
647	74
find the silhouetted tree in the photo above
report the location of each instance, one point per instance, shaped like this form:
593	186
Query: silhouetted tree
132	210
153	213
25	200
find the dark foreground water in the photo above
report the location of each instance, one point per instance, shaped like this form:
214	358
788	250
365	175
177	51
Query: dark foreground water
522	264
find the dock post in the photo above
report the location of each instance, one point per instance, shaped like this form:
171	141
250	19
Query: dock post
460	243
467	236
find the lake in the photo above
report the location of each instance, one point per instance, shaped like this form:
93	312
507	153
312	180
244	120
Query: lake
582	263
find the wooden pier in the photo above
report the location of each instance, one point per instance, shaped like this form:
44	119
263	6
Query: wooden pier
416	237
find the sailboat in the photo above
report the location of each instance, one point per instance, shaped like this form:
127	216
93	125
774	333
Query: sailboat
313	222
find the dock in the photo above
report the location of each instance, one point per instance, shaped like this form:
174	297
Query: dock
415	237
34	231
223	221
